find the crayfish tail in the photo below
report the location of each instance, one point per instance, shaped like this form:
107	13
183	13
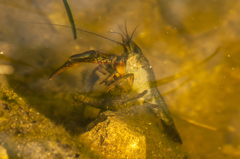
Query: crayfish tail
172	132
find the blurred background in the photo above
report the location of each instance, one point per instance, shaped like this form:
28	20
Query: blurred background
174	35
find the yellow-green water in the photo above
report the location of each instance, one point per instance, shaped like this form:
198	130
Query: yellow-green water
174	35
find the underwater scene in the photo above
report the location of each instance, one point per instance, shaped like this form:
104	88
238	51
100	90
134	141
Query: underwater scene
112	79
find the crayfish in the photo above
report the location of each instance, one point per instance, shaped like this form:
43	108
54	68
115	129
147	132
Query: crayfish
132	66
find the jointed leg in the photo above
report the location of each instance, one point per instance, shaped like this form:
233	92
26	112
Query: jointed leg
119	80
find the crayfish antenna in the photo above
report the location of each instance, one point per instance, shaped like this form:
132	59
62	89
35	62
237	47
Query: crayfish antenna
89	32
121	29
134	32
126	29
117	33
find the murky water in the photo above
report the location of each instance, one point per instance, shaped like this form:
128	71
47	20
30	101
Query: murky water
174	35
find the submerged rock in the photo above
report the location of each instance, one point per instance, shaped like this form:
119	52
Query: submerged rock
112	138
3	153
25	133
129	133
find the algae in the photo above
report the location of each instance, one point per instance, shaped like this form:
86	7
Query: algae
25	133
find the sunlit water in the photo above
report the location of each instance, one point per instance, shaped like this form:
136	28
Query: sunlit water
173	35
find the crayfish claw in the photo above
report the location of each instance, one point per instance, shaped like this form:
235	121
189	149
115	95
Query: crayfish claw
91	56
65	66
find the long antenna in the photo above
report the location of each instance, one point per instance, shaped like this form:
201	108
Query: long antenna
120	29
126	29
117	33
76	29
134	31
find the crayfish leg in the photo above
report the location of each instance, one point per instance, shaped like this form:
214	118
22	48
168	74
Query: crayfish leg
115	70
136	96
110	77
88	100
119	80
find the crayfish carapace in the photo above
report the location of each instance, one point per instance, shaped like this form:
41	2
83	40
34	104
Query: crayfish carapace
132	65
